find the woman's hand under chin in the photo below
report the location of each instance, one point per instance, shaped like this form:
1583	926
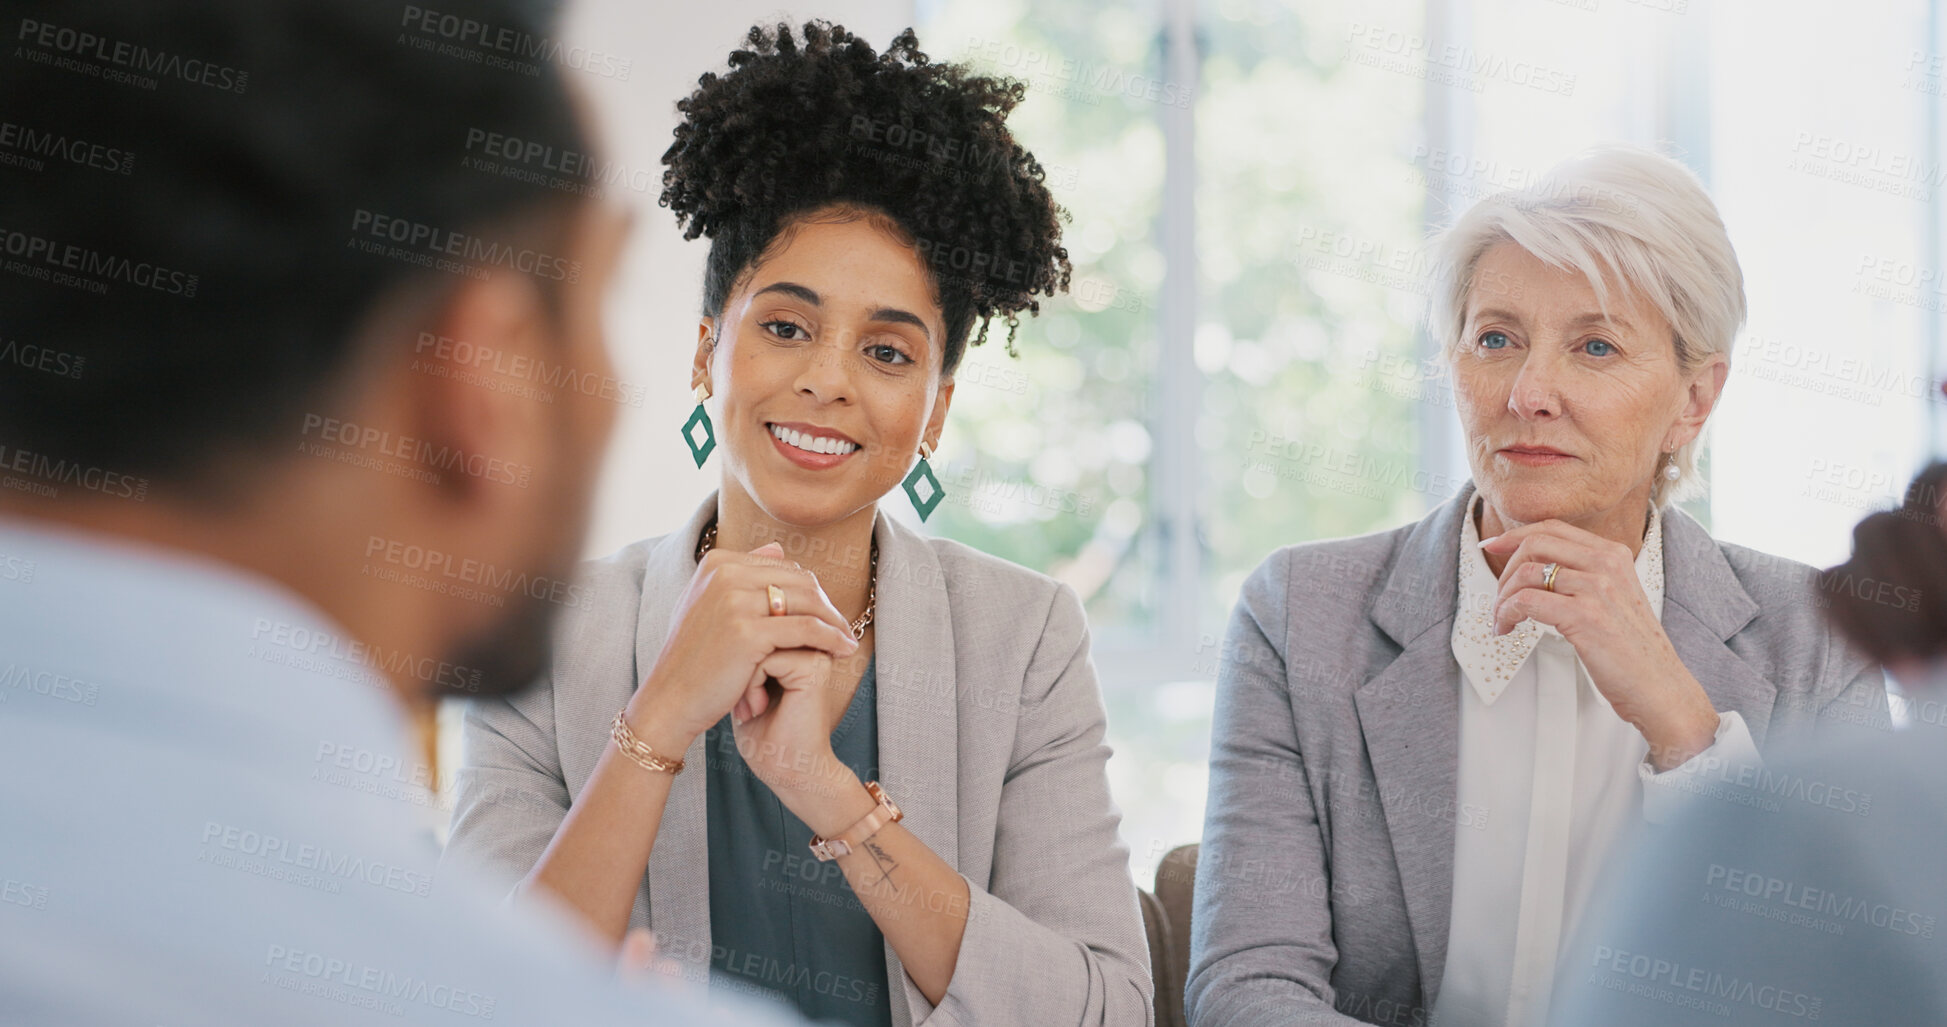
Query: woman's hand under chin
1599	606
723	637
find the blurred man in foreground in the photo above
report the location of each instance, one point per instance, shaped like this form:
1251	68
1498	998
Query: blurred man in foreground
303	390
1811	889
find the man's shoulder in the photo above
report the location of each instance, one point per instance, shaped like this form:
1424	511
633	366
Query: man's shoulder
260	899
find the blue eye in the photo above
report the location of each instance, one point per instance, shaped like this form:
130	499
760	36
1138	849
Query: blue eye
1494	340
785	329
1598	347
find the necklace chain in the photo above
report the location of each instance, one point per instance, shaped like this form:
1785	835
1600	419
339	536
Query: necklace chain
709	542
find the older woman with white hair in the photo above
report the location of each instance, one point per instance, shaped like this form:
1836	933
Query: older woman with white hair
1427	739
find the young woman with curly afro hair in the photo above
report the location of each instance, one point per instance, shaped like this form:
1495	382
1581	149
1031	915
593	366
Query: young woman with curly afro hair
895	808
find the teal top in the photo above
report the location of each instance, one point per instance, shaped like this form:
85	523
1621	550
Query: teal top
781	922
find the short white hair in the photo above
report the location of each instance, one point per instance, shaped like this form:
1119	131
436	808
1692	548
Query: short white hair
1620	213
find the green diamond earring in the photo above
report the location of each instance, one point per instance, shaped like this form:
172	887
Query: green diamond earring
921	487
700	421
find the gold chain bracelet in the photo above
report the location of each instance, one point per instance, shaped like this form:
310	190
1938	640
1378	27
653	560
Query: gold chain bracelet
639	751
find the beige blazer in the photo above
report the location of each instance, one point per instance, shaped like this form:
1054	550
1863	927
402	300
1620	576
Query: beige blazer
990	739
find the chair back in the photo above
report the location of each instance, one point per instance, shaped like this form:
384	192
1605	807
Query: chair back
1166	920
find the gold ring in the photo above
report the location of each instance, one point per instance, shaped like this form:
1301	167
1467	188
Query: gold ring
777	599
1548	576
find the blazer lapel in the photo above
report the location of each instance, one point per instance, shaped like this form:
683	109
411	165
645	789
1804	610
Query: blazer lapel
1704	605
679	865
1409	715
913	654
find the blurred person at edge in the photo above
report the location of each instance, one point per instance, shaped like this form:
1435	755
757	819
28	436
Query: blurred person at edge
1428	739
845	192
1815	891
250	526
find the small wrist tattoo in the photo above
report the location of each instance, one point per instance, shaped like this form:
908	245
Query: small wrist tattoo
884	862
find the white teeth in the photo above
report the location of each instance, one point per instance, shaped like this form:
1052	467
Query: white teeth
812	443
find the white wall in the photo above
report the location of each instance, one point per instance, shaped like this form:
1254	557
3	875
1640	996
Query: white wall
650	483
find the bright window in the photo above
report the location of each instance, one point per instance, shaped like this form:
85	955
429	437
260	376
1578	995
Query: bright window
1241	365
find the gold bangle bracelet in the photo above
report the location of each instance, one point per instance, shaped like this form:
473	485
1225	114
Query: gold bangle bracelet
639	751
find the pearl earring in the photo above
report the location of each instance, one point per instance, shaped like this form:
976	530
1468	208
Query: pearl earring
1671	470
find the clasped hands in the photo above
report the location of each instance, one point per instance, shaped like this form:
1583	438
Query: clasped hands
724	648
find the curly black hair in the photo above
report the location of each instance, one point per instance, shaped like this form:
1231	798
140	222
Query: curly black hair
808	124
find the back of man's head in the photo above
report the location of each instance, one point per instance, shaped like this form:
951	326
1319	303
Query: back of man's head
192	242
225	226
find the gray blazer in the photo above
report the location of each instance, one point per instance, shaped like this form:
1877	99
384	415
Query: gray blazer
1325	881
990	739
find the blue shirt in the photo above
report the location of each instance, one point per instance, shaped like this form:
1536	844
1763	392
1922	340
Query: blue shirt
780	920
209	814
1808	890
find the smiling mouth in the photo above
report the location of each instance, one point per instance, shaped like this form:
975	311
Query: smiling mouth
812	443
